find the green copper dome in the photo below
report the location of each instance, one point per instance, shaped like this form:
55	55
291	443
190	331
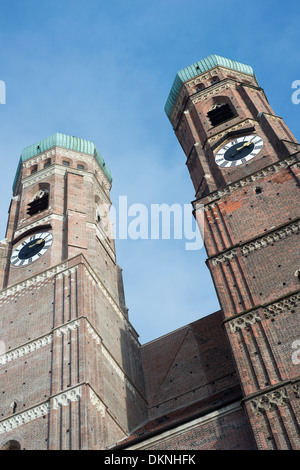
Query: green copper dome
65	141
196	69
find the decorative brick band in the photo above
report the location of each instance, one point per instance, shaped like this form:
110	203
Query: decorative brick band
259	243
272	238
33	280
296	389
244	321
269	401
37	344
256	176
287	304
26	349
45	220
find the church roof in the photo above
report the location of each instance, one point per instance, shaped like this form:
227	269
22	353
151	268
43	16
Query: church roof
197	68
66	141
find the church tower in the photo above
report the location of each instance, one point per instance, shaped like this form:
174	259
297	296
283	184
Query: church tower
70	365
244	163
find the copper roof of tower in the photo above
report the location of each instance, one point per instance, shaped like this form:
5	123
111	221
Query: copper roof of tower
65	141
197	68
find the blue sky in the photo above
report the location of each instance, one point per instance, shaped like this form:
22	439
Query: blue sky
102	71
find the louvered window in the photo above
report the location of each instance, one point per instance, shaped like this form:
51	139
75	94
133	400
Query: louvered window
39	203
220	113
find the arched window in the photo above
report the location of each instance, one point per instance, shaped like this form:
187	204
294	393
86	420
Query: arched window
219	113
11	445
198	87
40	201
214	79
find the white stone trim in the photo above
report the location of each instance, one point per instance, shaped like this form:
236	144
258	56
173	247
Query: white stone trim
37	343
65	398
95	401
259	243
244	321
42	174
23	418
32	281
39	222
39	157
73	325
26	349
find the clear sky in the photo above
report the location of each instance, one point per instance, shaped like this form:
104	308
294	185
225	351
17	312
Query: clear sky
102	71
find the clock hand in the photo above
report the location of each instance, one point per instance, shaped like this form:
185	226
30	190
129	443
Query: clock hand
244	145
36	243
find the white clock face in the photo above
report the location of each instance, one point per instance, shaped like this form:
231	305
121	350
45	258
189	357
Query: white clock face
31	249
239	151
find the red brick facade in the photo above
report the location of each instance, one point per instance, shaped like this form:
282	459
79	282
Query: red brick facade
251	234
73	374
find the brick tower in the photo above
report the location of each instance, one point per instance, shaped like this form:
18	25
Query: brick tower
245	165
70	368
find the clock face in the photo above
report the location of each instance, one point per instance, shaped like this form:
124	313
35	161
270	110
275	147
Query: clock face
239	150
31	249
